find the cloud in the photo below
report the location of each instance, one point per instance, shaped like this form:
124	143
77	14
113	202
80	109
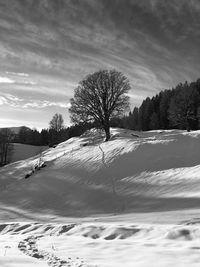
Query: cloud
6	80
68	105
10	100
17	102
19	78
21	74
3	100
13	98
44	104
47	47
28	82
136	97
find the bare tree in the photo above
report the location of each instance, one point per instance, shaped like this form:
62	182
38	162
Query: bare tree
57	123
6	147
100	97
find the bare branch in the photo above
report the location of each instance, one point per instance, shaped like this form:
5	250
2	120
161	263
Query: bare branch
99	97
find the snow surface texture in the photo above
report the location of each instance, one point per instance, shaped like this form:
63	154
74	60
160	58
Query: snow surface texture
133	172
99	244
132	201
21	151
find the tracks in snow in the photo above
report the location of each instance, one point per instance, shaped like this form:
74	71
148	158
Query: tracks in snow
29	247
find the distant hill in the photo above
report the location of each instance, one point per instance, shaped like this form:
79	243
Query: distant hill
14	129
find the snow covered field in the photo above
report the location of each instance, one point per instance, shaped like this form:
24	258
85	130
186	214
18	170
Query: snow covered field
100	244
132	201
21	151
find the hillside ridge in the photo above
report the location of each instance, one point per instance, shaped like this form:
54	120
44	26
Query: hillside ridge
133	172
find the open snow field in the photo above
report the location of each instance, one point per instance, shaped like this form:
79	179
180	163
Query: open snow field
133	201
21	151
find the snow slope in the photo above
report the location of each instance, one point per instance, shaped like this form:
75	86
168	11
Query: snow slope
133	172
132	201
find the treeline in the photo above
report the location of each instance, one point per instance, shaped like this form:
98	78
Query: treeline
43	138
178	108
48	137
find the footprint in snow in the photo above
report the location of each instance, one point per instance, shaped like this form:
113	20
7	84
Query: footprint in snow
29	247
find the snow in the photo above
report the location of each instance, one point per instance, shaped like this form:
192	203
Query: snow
132	201
22	151
100	244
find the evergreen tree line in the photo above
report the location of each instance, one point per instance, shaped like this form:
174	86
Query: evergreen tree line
55	134
177	108
48	137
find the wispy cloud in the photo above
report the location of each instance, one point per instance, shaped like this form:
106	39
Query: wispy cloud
16	102
3	100
21	74
47	47
18	78
10	100
43	104
6	80
13	98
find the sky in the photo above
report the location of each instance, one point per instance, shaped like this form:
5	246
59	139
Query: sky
48	46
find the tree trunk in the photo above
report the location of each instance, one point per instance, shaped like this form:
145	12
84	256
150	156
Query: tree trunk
5	154
107	131
188	128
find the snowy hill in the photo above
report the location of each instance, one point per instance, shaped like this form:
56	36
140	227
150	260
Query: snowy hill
139	193
133	172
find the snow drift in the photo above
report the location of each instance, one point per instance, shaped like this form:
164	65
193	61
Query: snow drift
99	244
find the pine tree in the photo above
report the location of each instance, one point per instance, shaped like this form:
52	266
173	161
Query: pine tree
154	122
183	107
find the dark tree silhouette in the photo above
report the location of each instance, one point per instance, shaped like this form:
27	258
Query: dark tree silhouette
183	107
6	147
154	122
56	123
56	128
135	119
100	97
176	108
